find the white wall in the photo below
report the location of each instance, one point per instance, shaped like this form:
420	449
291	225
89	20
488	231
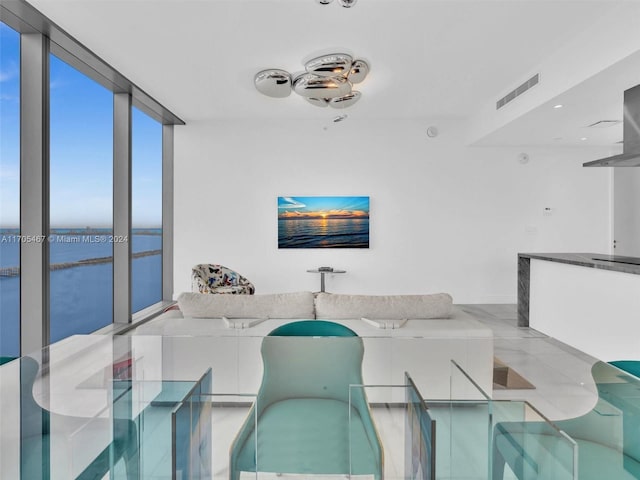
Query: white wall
444	217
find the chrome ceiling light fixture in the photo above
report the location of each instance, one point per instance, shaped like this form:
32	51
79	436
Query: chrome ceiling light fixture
327	81
344	3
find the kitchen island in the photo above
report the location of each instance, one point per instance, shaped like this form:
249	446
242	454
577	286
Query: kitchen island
590	301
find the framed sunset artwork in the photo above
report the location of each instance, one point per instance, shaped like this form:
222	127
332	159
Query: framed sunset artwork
323	222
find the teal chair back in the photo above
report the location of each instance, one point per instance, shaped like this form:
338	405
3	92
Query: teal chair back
308	366
313	328
629	366
4	360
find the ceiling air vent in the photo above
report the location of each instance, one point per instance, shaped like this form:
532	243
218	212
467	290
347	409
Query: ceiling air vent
518	91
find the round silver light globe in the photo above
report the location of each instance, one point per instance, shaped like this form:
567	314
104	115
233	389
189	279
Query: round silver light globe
345	101
273	83
324	2
359	71
348	3
330	65
318	102
312	86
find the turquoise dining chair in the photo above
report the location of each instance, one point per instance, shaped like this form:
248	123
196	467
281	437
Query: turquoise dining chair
607	437
305	422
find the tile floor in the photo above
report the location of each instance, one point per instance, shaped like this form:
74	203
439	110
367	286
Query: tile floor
560	373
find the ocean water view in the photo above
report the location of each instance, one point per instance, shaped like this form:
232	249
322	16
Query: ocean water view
79	190
323	233
81	293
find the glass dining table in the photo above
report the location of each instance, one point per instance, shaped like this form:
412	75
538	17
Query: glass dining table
92	405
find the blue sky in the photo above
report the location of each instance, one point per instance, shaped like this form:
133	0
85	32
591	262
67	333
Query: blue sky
81	154
325	207
9	126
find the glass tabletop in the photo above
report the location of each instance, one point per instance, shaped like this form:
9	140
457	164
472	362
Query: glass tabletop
92	405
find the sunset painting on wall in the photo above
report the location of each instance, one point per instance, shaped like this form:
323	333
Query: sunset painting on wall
323	222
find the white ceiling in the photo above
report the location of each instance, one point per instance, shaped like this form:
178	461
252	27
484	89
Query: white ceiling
429	59
595	99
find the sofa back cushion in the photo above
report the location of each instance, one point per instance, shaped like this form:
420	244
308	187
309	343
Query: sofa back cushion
331	306
277	305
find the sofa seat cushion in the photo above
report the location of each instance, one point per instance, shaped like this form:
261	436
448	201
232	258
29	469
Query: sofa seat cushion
278	305
309	436
330	306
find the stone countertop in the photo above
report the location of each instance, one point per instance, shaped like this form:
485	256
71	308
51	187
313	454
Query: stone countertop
587	260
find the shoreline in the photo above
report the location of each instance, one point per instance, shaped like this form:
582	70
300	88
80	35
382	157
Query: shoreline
6	272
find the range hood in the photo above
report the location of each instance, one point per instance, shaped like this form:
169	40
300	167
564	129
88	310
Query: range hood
630	156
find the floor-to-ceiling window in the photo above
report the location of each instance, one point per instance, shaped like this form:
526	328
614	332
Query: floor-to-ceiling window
9	192
81	202
77	162
146	211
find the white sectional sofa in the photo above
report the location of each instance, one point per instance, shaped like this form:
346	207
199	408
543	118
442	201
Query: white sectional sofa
418	334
